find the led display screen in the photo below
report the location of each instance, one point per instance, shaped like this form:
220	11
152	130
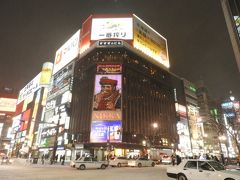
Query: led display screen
112	28
106	131
107	93
106	115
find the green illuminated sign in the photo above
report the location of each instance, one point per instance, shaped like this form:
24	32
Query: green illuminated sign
192	88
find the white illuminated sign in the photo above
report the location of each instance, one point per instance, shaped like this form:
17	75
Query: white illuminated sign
29	89
112	28
67	52
7	104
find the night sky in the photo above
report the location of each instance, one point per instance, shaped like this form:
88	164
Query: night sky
199	47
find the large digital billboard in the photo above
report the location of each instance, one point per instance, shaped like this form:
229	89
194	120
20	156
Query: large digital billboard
107	115
8	104
150	42
107	93
112	28
67	52
106	131
126	27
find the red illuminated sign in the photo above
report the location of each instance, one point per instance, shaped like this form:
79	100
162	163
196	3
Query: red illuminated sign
109	68
25	120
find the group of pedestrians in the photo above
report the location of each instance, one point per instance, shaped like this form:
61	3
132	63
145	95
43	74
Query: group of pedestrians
44	157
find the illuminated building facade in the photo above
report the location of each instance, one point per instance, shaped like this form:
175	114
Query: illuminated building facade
30	103
125	55
206	104
231	120
53	132
194	120
8	100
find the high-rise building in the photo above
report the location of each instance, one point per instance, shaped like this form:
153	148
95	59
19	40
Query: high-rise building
194	120
121	87
27	118
112	93
231	121
205	103
231	11
53	133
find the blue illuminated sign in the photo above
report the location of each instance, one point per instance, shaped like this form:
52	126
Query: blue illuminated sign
106	131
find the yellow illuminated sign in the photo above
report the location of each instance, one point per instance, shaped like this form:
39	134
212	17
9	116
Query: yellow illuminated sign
150	42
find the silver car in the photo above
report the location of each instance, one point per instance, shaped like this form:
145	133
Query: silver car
90	163
118	161
141	162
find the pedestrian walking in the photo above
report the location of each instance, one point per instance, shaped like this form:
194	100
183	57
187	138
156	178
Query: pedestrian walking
56	158
179	160
42	159
63	159
173	159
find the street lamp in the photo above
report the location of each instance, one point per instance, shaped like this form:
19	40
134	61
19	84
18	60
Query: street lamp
155	126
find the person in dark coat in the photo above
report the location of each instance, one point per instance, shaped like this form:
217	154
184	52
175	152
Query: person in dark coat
179	160
173	159
63	159
42	159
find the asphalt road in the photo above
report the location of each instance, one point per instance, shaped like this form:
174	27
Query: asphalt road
58	172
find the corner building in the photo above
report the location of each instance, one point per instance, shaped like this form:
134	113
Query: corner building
145	90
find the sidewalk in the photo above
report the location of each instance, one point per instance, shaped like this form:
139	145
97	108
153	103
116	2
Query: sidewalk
26	162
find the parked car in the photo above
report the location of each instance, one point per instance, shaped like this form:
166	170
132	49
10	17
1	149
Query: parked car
194	169
118	161
166	159
89	163
141	162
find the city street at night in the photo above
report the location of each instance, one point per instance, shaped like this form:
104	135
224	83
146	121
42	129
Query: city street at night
51	172
123	90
